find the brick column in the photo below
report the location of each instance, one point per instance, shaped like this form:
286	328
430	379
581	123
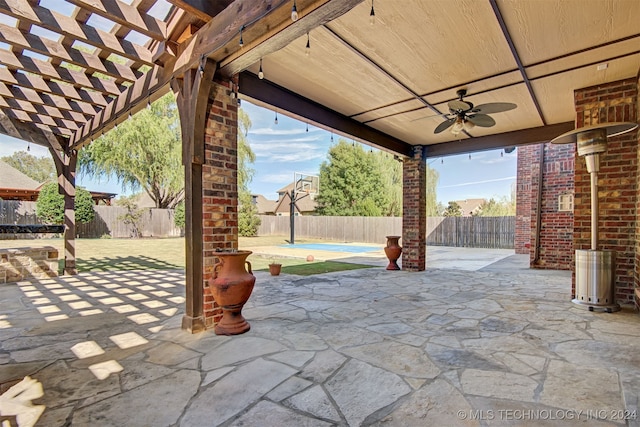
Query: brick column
219	187
414	211
617	181
522	240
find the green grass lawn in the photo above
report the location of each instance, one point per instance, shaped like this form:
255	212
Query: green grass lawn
169	253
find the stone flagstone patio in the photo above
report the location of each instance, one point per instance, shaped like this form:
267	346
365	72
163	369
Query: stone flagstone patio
497	346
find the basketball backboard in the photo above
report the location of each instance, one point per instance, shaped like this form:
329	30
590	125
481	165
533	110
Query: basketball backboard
306	184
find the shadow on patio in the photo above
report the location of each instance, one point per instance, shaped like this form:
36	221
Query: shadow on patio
501	345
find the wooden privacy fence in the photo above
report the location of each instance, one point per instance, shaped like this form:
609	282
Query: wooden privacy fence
473	232
108	221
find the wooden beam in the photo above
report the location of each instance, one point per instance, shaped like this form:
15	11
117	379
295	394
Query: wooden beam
501	140
270	94
126	15
69	27
283	33
202	9
26	132
58	52
48	70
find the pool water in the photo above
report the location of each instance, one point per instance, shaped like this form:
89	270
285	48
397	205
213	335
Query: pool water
333	247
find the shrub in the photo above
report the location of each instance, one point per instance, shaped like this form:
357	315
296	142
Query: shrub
50	205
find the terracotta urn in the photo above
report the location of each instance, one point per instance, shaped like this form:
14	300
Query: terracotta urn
231	287
393	251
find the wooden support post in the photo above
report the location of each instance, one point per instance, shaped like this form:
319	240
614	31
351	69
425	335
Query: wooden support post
66	168
192	91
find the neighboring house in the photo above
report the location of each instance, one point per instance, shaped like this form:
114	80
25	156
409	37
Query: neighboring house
470	207
264	205
305	203
14	185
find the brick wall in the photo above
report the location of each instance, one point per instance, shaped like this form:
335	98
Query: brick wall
556	231
522	239
219	187
617	183
414	208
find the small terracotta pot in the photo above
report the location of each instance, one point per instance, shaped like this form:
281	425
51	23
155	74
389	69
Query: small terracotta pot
231	287
274	269
393	251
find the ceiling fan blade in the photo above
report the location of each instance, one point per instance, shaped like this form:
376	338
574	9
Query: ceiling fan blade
444	125
494	107
482	120
457	105
443	115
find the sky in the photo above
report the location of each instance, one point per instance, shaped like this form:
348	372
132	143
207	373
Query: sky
287	147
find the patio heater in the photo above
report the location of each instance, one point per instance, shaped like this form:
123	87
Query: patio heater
595	269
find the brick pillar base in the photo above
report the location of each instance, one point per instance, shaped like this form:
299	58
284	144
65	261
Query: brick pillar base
414	211
219	187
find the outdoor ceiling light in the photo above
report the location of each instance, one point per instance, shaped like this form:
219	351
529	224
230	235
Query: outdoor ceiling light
260	73
294	12
372	15
457	127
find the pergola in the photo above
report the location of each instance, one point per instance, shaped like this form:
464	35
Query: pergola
73	69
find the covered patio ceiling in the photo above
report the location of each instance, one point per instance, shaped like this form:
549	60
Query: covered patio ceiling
71	69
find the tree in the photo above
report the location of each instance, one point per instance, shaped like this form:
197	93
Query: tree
391	171
453	209
498	207
50	205
133	214
144	152
39	169
433	208
179	215
352	184
248	220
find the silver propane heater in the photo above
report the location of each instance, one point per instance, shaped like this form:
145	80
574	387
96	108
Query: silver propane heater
595	269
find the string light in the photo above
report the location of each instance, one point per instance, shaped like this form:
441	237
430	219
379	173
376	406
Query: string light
331	136
148	103
294	12
372	15
276	119
469	156
129	116
307	127
28	146
307	51
442	161
260	73
241	42
501	153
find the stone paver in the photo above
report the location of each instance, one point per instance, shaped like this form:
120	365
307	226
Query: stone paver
473	343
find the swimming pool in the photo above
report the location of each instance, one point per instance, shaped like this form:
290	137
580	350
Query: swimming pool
333	247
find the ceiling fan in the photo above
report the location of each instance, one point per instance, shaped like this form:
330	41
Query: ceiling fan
465	115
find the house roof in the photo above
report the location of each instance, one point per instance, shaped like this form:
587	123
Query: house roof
11	177
264	205
469	206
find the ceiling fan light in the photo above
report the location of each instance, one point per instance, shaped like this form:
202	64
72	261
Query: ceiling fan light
457	127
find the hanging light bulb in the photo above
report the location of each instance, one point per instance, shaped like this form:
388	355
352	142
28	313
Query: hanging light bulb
307	50
307	127
241	42
260	73
372	15
129	116
442	161
457	126
331	136
28	146
294	12
148	103
469	156
276	119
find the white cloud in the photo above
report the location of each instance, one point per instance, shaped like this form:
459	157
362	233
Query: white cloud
277	178
486	181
